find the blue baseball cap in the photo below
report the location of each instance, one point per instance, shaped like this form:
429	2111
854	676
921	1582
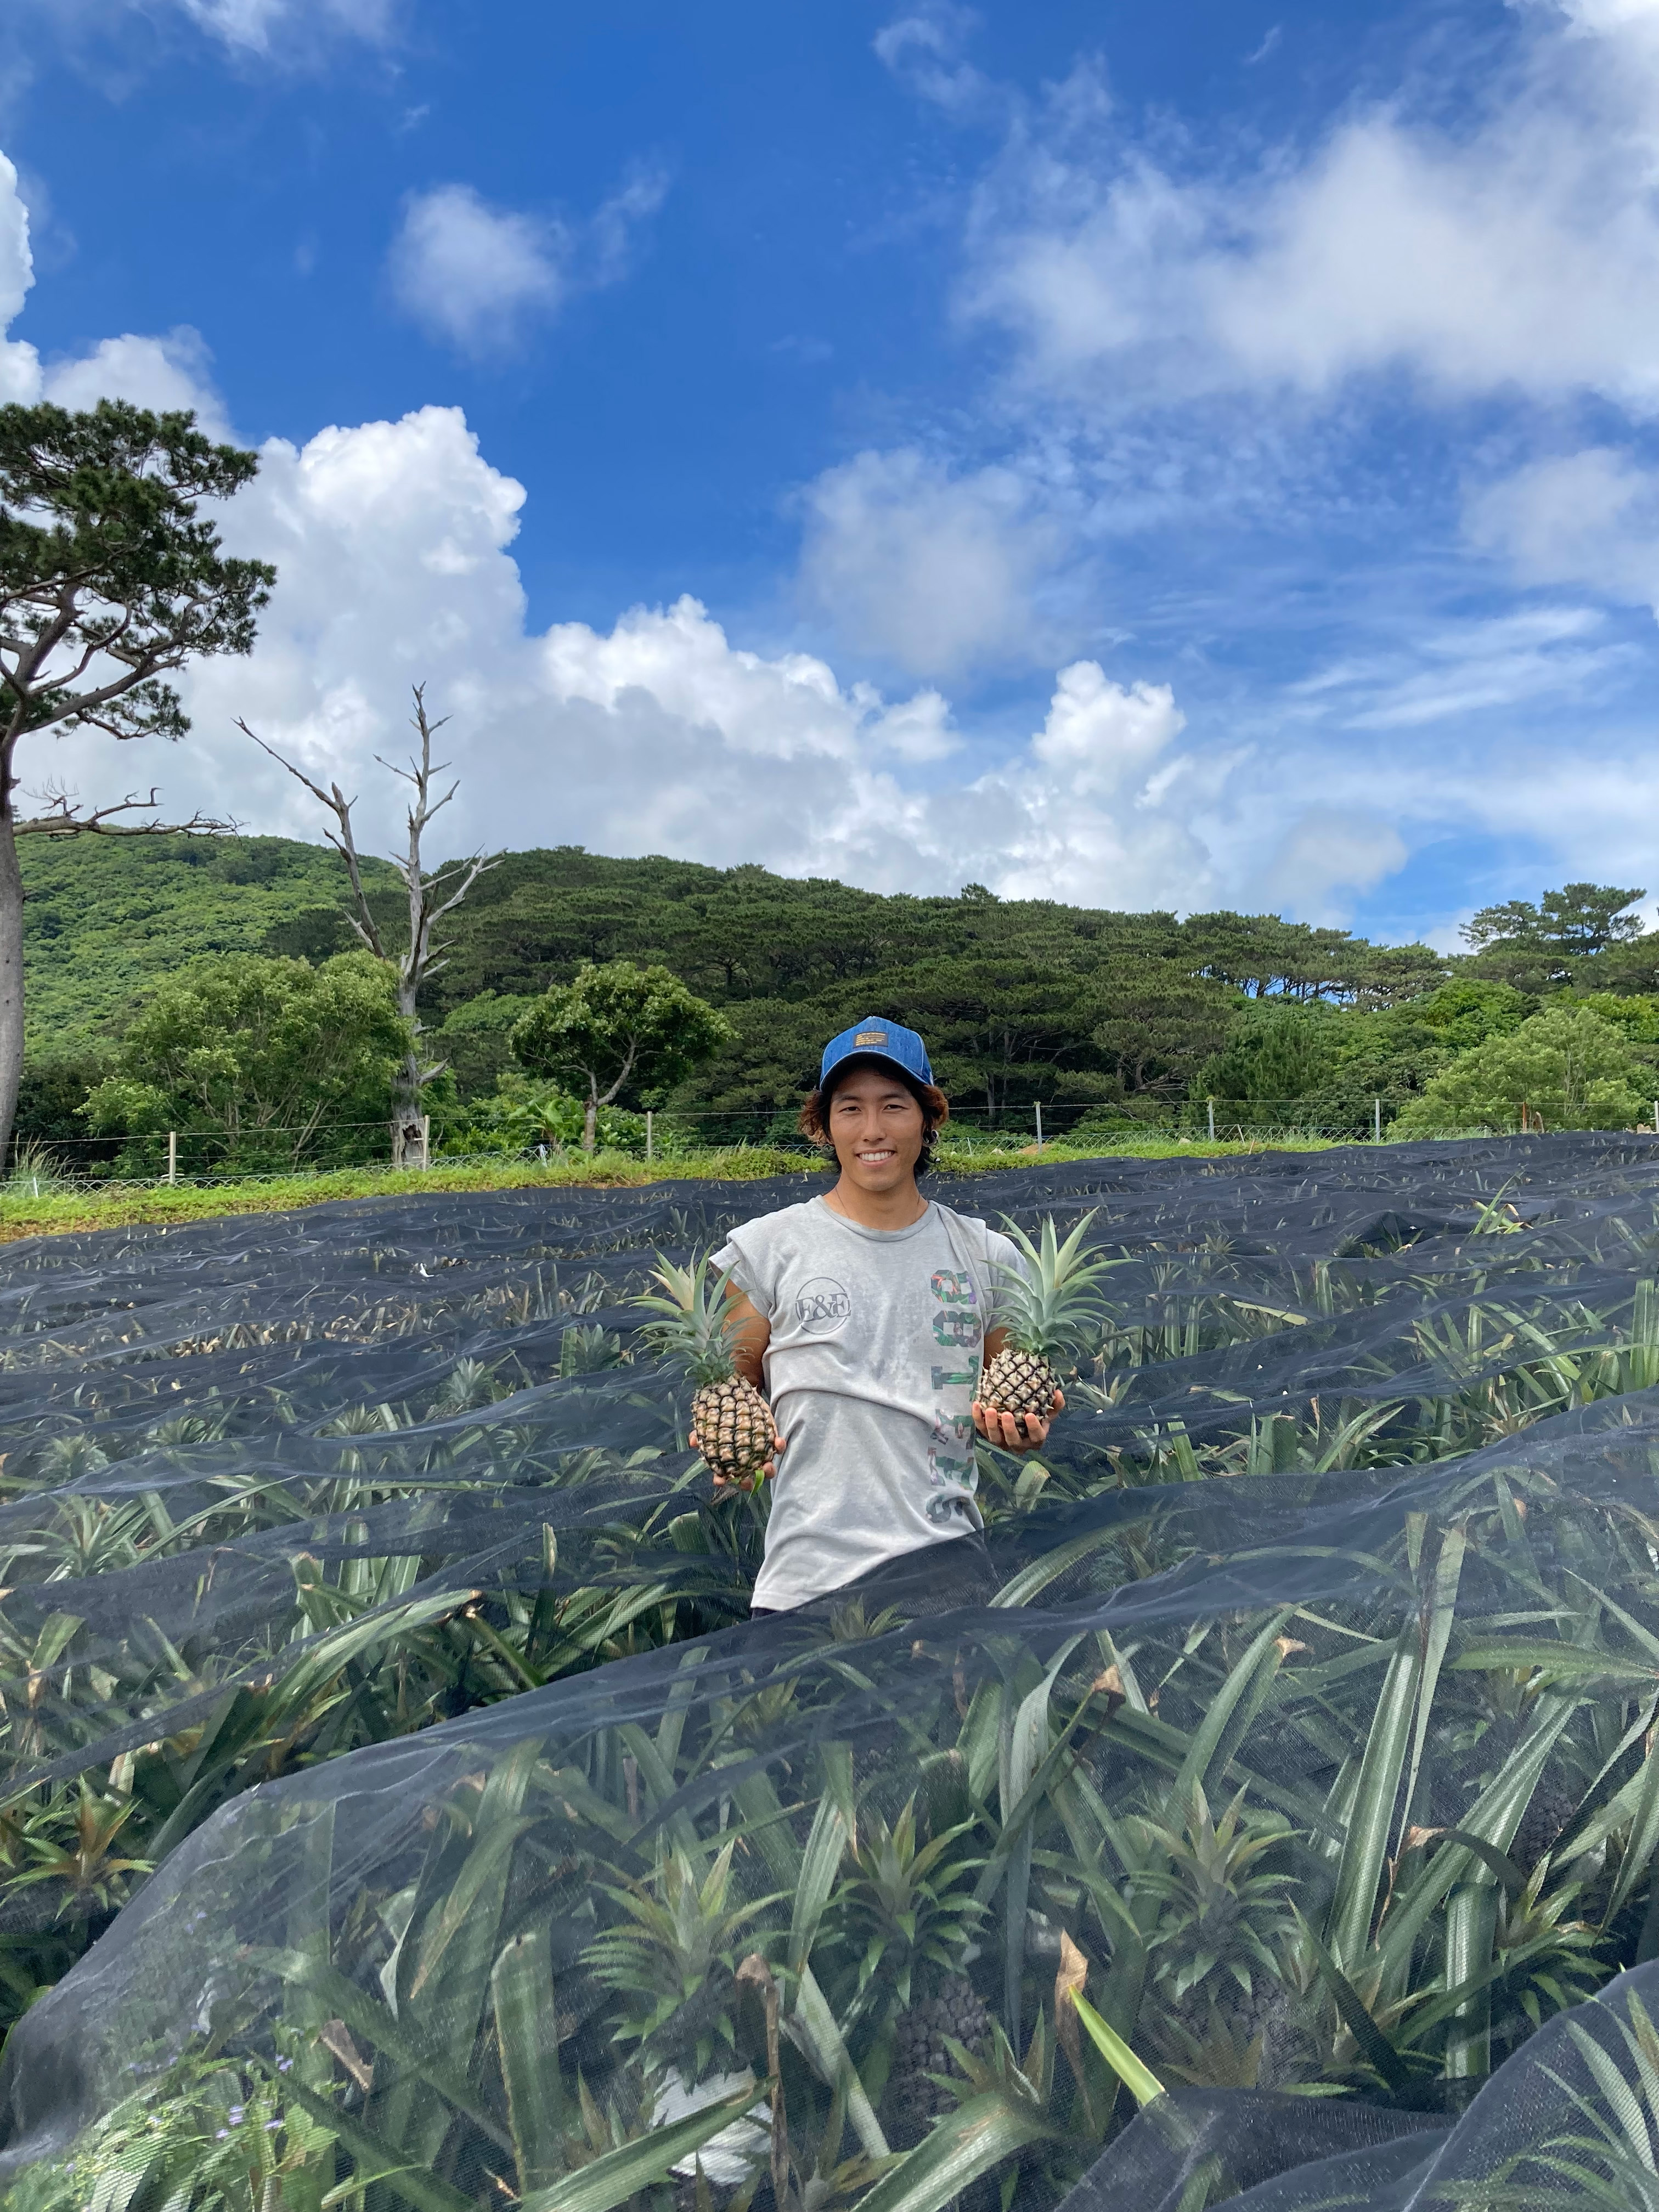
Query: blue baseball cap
875	1039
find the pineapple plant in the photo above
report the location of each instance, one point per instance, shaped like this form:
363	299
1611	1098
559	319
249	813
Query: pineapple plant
1045	1305
732	1422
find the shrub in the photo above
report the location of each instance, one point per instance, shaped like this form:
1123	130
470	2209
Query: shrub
1566	1064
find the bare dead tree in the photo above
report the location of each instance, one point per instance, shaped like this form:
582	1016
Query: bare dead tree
430	897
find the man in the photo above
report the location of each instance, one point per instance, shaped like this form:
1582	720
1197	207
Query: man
863	1316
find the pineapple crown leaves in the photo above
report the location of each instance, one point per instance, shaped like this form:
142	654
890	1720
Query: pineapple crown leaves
696	1329
1049	1300
682	1935
1026	2084
1220	1908
900	1898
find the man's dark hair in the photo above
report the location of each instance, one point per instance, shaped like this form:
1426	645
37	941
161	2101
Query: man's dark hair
935	1106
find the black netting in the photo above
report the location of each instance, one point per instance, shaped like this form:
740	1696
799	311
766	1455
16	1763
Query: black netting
397	1807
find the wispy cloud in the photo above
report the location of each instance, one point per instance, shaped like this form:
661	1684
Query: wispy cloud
476	275
923	49
257	27
1456	672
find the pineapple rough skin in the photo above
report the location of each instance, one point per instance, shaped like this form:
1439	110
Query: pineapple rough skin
733	1429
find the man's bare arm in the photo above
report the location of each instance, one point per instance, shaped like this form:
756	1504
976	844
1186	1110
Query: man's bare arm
749	1334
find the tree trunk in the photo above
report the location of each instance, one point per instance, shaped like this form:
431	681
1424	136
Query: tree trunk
11	983
406	1099
589	1119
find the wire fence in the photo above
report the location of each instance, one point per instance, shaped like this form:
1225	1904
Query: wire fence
271	1152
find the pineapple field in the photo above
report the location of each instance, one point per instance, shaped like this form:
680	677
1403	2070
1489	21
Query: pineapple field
399	1812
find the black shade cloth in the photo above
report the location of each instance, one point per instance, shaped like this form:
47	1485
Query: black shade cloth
361	1591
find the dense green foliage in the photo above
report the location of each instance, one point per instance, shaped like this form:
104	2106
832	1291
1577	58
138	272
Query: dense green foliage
1107	1020
618	1026
1567	1065
111	581
106	920
245	1058
101	542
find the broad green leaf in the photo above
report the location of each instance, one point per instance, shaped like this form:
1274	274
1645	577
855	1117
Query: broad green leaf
1262	1652
1373	2044
658	1778
671	1727
482	1872
1139	2079
978	1737
1354	1900
818	2024
1514	1653
475	1900
826	1846
1643	1837
1022	1588
1028	1752
968	2142
618	2175
415	2184
521	1991
344	2000
1443	1608
1495	1815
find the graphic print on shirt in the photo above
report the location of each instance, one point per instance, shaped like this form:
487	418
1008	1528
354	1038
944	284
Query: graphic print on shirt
823	1305
950	1446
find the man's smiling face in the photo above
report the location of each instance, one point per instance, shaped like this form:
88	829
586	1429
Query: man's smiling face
876	1126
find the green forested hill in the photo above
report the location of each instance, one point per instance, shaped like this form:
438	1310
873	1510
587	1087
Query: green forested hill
106	916
1021	1001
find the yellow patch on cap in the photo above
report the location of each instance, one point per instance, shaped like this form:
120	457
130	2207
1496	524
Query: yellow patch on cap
871	1036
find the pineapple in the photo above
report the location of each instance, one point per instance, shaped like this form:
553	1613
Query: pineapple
1045	1306
733	1422
914	2098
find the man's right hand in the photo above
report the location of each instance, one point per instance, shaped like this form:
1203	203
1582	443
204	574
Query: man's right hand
725	1485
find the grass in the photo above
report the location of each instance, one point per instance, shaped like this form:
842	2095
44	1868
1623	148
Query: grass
28	1207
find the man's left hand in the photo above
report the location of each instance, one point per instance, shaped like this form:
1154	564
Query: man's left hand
1016	1432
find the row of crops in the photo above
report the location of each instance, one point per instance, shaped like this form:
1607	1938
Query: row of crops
397	1809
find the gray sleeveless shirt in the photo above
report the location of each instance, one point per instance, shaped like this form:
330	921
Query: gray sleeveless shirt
872	1370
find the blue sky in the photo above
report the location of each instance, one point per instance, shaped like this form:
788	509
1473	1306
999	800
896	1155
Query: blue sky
1174	457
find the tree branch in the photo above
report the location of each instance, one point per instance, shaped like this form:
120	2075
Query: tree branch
60	819
345	844
627	1070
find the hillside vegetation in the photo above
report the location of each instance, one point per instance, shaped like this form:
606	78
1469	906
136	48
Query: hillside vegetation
1100	1017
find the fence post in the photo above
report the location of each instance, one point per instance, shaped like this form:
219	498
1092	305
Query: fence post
1377	1122
647	1132
1655	1114
172	1156
1039	1119
1209	1107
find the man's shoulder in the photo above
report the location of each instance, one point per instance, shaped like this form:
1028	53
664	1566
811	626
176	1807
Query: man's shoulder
763	1231
987	1244
969	1225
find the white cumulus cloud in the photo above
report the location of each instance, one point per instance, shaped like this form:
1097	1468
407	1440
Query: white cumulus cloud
470	272
475	275
931	571
1519	251
393	542
663	732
